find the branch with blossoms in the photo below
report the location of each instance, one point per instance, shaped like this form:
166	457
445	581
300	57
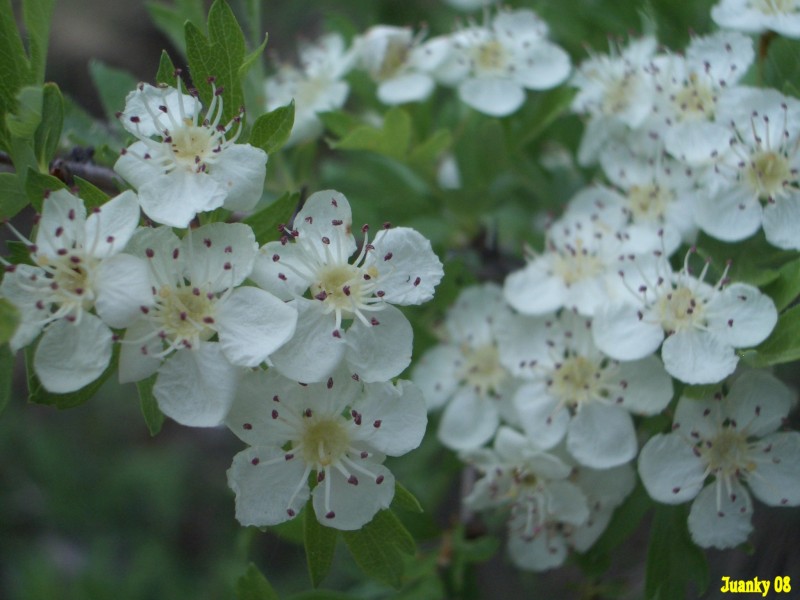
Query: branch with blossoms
632	364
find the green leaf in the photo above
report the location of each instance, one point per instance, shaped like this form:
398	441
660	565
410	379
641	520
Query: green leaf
426	155
254	586
320	543
219	56
340	123
753	261
265	222
271	130
26	119
14	67
252	58
322	595
37	185
12	197
166	70
48	134
37	15
113	86
153	417
92	196
541	111
171	19
673	560
786	288
783	345
6	370
405	499
376	547
392	139
38	395
9	319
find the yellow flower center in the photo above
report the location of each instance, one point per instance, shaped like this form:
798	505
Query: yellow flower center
768	173
324	441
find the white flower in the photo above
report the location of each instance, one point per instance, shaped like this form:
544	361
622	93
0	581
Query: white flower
494	65
78	266
578	268
465	372
317	86
195	298
577	392
758	16
702	324
756	183
400	63
398	267
184	162
338	431
733	439
688	89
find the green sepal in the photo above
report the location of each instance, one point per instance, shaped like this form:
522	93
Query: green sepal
254	586
271	130
320	544
92	196
153	417
19	253
166	70
38	185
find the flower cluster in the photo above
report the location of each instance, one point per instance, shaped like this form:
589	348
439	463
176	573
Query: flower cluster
491	66
291	345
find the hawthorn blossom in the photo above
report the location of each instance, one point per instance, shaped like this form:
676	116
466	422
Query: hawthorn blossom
317	86
731	437
77	267
493	65
552	505
184	162
351	314
196	297
400	63
338	432
465	375
576	392
756	176
700	325
688	89
578	268
759	16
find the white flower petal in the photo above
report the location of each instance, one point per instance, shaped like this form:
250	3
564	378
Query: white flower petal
645	387
697	419
240	170
382	350
407	87
758	402
541	553
400	413
175	198
196	387
540	415
721	520
253	324
620	332
134	168
350	507
695	356
602	436
137	356
607	487
72	355
142	104
730	215
313	352
542	66
269	489
276	270
123	288
741	315
468	421
436	374
251	416
327	215
407	268
781	221
493	96
776	478
669	469
566	502
61	224
110	227
535	290
220	254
